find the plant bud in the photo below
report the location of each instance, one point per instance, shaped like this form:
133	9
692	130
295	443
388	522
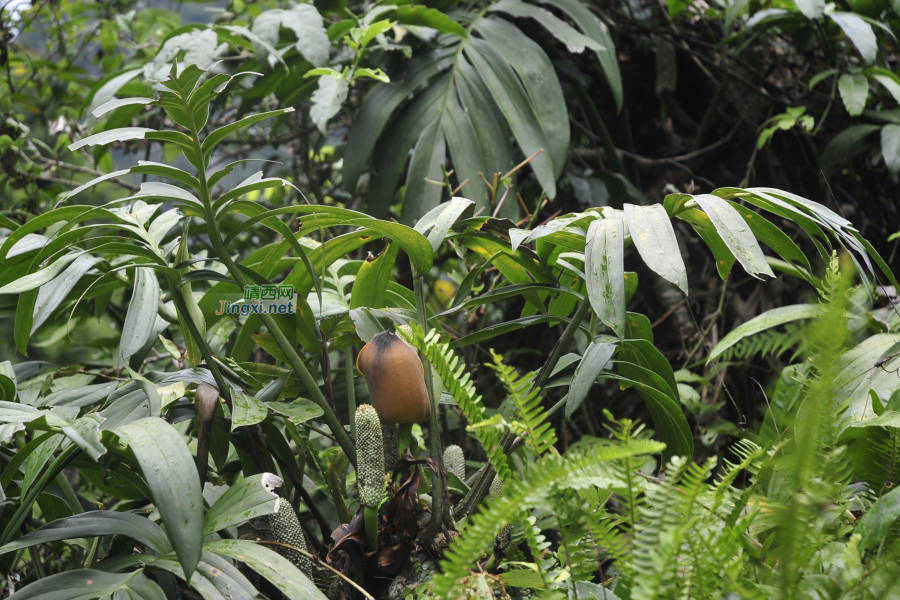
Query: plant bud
455	461
370	456
396	380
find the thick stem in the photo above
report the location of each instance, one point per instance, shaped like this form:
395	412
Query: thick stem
440	497
296	363
349	373
562	344
371	514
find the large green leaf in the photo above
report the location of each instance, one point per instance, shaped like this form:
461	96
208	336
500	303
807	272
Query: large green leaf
854	92
93	524
171	474
247	409
605	270
429	155
372	279
772	236
88	584
277	569
653	236
415	244
533	68
736	234
860	33
376	111
250	498
426	17
767	320
508	91
574	40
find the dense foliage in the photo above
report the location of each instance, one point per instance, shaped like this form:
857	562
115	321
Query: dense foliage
461	185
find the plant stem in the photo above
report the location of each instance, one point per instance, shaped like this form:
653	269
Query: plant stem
371	514
182	309
296	363
404	437
439	493
562	344
69	494
349	370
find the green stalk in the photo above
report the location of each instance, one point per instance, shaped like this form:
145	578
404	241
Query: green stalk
181	307
404	437
439	494
350	372
290	352
563	343
371	514
68	493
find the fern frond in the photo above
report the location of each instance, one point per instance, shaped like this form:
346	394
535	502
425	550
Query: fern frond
532	419
457	383
451	370
577	549
659	535
489	432
536	542
605	529
769	343
749	455
549	473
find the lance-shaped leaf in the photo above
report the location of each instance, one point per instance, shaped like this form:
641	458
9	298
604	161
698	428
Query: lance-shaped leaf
595	359
113	135
736	234
605	269
88	584
142	311
118	103
438	221
213	139
767	320
39	278
171	474
574	40
274	567
93	524
653	236
51	295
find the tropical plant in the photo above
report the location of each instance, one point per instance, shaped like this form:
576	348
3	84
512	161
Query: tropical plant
161	437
